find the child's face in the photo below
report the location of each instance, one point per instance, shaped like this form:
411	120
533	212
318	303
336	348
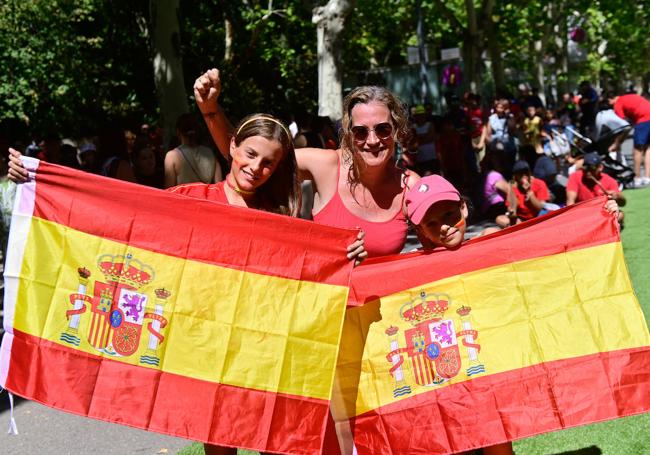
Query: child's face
530	111
443	225
522	178
501	109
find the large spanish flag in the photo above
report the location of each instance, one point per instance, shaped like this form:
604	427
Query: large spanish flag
531	330
181	316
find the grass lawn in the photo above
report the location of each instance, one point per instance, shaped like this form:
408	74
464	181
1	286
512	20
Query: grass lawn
626	436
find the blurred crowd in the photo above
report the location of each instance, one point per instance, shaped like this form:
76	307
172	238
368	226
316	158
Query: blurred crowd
513	156
517	158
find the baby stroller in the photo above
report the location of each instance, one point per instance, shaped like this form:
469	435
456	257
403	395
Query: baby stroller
614	167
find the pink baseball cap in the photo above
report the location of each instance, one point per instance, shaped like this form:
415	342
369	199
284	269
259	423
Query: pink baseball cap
425	193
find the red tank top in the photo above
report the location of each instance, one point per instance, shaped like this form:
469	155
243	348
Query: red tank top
212	192
382	237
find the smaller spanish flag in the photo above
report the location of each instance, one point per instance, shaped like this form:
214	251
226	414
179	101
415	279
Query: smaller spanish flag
181	316
531	330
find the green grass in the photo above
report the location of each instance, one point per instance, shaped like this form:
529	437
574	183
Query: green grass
626	436
197	449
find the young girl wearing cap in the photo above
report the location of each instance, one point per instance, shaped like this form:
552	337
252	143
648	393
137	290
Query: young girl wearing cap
438	213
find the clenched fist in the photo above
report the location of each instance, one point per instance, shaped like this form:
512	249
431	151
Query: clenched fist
207	88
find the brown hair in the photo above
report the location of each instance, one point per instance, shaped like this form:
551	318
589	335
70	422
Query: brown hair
188	126
364	95
281	192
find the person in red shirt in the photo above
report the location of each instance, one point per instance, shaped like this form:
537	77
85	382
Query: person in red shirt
636	110
477	128
526	197
591	182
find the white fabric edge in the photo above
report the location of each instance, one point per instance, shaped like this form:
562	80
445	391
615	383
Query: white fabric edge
21	219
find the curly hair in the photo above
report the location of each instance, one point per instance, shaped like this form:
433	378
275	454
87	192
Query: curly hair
364	95
281	193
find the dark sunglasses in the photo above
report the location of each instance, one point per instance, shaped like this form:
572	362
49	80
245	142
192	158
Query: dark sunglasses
382	130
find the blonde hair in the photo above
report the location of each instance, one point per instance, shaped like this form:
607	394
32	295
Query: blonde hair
365	95
281	192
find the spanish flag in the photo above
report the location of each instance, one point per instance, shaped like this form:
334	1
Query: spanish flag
186	317
531	330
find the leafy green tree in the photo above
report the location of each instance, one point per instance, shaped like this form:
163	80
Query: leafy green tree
72	65
265	50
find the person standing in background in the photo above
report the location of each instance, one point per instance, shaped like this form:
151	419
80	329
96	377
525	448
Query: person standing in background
190	162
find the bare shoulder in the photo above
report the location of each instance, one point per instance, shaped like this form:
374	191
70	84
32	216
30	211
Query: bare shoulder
311	155
314	161
172	155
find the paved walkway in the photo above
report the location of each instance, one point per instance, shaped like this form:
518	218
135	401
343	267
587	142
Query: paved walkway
47	431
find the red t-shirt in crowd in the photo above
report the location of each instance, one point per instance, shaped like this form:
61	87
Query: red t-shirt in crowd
476	122
635	108
525	209
587	189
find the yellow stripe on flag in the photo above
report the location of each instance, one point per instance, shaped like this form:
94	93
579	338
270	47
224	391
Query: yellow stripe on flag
524	313
224	325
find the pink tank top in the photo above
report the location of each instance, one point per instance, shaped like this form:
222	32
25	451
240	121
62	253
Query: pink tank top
382	237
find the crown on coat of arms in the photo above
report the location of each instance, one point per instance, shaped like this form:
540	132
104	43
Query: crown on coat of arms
392	330
83	272
125	270
162	293
464	310
427	308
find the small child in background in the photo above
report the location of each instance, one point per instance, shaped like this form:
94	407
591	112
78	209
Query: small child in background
532	129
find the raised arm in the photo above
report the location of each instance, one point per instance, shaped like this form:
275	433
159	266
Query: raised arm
206	92
207	89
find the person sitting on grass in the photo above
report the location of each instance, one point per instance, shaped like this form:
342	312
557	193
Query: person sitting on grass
526	198
591	182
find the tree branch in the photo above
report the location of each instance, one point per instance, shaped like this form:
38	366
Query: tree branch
450	16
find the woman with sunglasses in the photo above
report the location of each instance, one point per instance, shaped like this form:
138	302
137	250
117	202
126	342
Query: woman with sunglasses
357	186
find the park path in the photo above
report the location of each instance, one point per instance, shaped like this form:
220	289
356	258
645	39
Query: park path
43	430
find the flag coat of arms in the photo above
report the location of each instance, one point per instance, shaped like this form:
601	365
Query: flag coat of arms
531	330
181	316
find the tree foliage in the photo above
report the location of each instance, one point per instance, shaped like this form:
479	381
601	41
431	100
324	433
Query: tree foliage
273	63
71	65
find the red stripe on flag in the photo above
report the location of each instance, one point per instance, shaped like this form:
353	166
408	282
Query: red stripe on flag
543	236
512	405
166	403
155	220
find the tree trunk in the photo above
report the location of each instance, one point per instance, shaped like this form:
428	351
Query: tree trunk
330	21
471	59
228	41
562	43
537	52
422	54
167	64
472	48
494	50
